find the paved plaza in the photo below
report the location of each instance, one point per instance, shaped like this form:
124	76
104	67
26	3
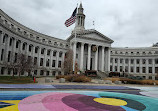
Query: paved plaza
77	98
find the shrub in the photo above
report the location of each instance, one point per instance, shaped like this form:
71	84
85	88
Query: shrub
60	76
112	79
81	78
75	78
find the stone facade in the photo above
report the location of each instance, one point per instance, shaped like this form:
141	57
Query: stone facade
92	50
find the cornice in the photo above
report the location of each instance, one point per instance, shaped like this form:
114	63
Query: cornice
21	35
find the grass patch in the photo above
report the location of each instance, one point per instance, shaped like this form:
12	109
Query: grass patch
132	81
15	80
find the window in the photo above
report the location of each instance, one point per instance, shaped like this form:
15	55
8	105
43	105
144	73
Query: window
59	64
15	60
116	60
116	68
25	33
121	69
10	42
2	70
132	69
4	39
156	61
150	61
31	35
54	53
47	73
9	71
17	44
42	51
37	38
53	73
53	63
144	61
35	60
36	49
23	47
137	69
150	69
12	25
35	72
41	72
48	52
132	61
144	69
110	68
126	68
138	61
41	62
126	61
18	29
2	54
47	63
9	54
60	54
30	48
121	60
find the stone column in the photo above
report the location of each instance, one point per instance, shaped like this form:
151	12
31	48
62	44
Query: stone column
74	55
89	56
57	60
108	54
33	51
51	59
102	64
140	67
113	64
27	49
96	59
146	65
1	38
153	66
118	65
63	58
14	50
135	66
39	57
82	54
6	49
20	49
45	58
124	64
129	65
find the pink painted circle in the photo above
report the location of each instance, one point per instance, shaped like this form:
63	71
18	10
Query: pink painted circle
38	103
63	102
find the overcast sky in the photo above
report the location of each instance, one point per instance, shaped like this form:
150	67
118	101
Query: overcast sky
130	23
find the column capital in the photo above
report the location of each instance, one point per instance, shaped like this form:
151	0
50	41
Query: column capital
89	45
82	43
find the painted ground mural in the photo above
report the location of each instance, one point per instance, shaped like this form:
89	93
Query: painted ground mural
76	101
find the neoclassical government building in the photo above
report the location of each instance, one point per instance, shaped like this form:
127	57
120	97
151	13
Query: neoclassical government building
92	50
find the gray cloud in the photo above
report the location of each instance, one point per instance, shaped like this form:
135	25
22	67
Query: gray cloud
130	23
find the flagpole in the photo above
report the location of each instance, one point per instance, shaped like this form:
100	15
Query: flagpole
75	43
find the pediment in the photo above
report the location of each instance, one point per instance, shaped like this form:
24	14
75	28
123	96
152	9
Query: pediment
92	35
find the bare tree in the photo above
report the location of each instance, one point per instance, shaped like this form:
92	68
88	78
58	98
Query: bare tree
67	65
12	66
25	63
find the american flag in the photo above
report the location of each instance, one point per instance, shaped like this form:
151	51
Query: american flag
72	19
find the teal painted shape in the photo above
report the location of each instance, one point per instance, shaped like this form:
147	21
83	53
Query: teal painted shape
128	109
150	103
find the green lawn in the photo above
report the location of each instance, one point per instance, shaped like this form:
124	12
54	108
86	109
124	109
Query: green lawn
15	80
